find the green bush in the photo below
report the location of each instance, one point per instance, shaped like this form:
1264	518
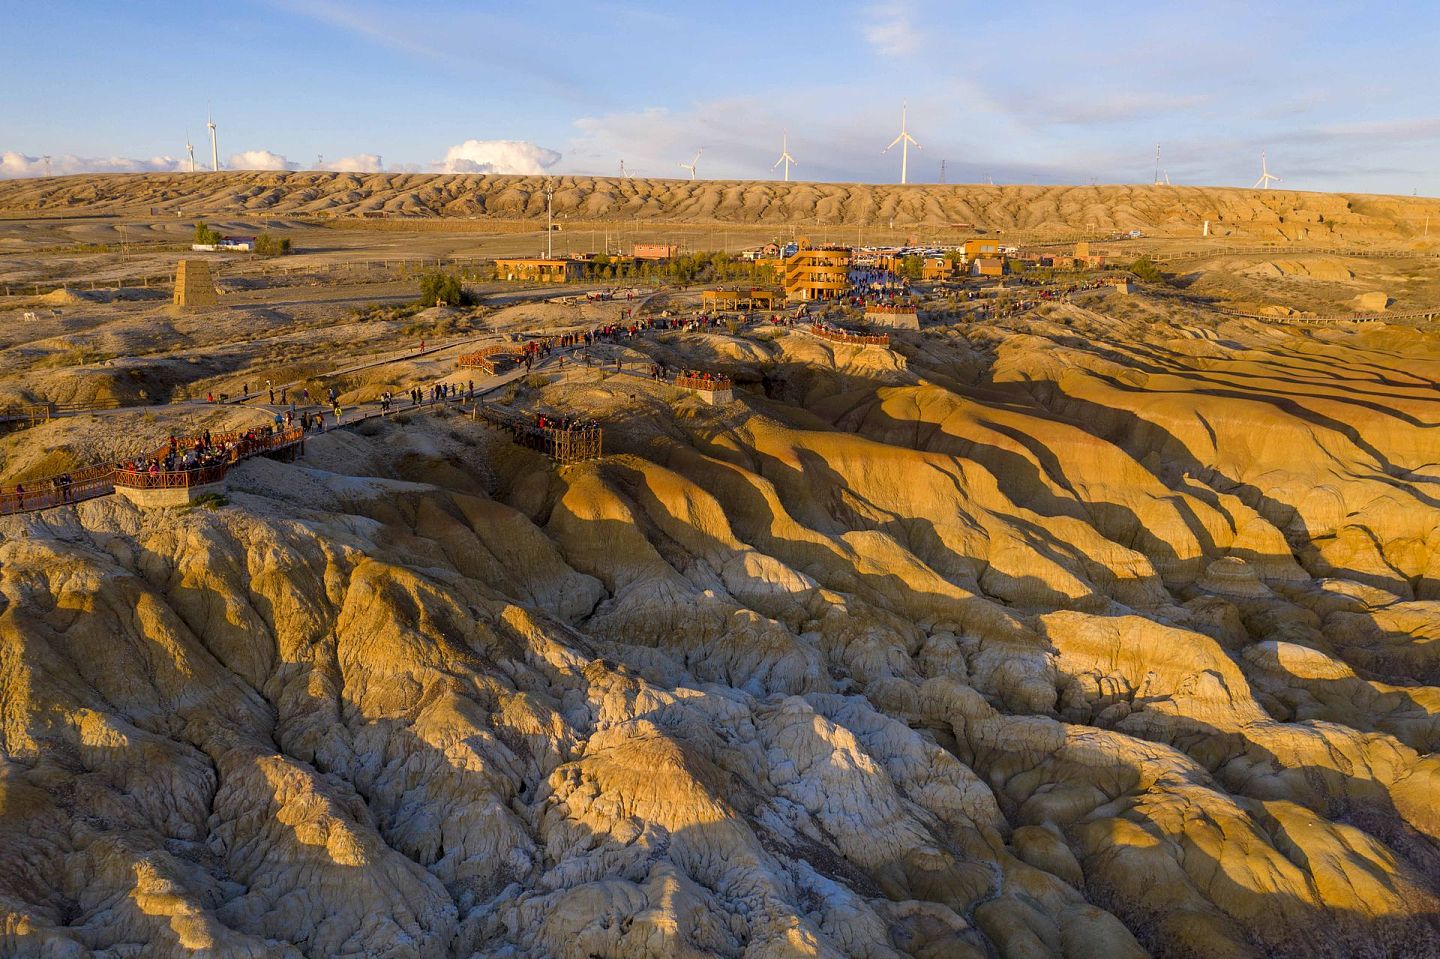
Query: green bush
205	235
267	245
437	288
1146	269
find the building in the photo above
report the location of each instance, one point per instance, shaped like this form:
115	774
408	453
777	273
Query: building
987	266
193	285
654	251
936	268
244	244
979	248
815	274
538	270
1082	250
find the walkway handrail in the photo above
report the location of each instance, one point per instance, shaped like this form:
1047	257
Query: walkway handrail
171	479
482	358
845	336
711	383
60	490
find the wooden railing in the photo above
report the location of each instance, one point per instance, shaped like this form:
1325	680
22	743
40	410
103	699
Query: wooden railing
572	444
101	479
710	382
487	358
837	335
171	479
59	490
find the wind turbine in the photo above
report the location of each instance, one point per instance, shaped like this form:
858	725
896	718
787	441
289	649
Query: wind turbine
785	156
906	141
1265	175
691	165
46	160
190	149
214	144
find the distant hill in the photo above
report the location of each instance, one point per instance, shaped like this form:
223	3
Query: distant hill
1252	214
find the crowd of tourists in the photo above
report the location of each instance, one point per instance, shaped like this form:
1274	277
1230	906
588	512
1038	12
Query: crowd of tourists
200	452
564	423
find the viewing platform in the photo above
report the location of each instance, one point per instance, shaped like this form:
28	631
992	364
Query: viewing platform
152	486
722	301
563	439
713	388
900	316
162	488
837	335
492	359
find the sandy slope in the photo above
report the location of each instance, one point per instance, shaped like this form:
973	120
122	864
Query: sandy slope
1274	214
1070	636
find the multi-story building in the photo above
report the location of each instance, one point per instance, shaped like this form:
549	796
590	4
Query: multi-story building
816	273
979	248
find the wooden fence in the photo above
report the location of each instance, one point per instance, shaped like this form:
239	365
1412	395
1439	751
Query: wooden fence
562	443
837	335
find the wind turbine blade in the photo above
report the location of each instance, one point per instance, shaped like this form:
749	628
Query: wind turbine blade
896	141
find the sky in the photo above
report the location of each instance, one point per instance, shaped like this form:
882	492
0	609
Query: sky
1340	96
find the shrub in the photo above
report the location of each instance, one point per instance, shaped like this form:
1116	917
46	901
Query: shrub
267	245
1146	269
442	288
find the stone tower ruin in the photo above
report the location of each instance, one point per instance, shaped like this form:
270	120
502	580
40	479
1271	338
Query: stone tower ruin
193	285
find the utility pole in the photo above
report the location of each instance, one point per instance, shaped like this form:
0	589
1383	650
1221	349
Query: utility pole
942	171
549	234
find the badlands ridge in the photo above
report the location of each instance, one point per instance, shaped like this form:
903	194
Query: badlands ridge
1109	629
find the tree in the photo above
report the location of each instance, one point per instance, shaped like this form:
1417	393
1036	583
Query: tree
445	289
267	245
1146	269
206	236
912	267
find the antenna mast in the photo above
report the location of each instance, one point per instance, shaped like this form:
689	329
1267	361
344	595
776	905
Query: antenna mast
549	232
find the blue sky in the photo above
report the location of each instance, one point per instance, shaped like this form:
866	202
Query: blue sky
1342	96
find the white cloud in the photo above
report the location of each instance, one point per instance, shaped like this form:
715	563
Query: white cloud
359	163
498	156
14	164
888	28
260	160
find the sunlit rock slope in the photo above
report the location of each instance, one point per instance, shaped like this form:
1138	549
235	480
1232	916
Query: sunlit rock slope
1065	638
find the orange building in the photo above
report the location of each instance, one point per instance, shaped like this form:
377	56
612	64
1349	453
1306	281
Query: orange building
936	268
816	274
979	248
538	270
654	251
987	266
